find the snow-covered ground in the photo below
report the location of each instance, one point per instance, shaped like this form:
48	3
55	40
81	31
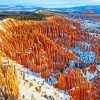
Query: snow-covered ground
86	56
89	23
32	81
90	76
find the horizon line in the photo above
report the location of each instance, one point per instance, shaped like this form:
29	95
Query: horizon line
46	7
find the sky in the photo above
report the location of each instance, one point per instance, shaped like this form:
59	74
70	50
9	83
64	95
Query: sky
50	3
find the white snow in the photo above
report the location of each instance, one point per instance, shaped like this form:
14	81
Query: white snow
86	56
36	80
90	76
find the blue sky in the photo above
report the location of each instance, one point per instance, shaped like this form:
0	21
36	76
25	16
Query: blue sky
50	3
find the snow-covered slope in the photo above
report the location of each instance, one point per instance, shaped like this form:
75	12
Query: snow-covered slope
32	81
